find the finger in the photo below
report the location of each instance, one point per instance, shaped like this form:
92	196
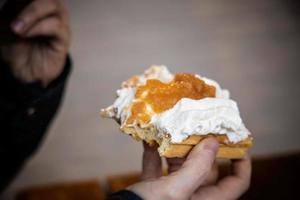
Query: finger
50	27
213	175
34	12
208	187
152	166
196	168
236	184
174	164
64	14
231	187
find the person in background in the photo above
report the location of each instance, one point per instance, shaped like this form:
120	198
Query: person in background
34	66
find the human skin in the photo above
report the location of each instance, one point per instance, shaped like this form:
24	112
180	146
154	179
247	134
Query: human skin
195	177
43	39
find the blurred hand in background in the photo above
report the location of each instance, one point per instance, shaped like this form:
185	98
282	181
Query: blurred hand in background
35	38
43	37
195	177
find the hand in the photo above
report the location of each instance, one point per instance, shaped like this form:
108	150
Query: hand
40	51
196	178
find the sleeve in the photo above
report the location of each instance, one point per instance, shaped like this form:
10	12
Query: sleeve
124	195
26	111
26	93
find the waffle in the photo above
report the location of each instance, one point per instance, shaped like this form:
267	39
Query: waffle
168	149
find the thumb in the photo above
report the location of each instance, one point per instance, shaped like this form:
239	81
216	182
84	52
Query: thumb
196	168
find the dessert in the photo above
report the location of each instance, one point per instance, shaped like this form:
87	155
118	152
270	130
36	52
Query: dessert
177	112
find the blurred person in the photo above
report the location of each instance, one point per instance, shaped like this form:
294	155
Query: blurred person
34	66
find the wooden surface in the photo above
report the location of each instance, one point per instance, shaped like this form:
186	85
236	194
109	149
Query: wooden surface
275	178
86	190
119	182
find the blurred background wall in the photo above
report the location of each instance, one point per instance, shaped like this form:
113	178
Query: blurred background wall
251	47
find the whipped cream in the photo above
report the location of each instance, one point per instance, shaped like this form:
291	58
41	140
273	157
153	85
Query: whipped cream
220	93
121	105
201	117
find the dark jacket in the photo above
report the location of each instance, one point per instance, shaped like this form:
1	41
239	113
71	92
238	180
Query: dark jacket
26	111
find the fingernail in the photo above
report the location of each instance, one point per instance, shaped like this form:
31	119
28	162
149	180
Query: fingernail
211	144
18	26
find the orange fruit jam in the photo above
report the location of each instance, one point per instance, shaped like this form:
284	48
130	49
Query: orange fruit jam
155	96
